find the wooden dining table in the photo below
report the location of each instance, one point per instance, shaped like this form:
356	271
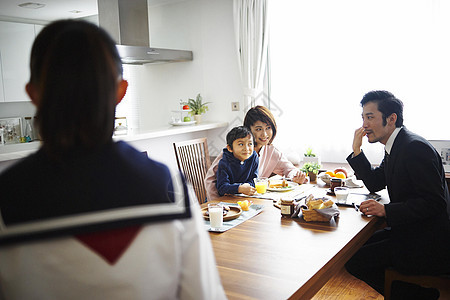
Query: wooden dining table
274	257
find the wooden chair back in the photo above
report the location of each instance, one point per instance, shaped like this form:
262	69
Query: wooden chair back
438	282
194	161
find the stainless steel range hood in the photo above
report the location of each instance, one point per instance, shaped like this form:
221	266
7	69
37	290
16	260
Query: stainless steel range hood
127	22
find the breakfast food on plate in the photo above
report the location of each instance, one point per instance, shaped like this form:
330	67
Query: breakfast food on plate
273	184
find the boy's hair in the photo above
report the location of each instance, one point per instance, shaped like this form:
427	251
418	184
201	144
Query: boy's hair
237	133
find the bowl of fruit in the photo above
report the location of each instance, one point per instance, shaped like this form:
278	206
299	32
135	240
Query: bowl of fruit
326	177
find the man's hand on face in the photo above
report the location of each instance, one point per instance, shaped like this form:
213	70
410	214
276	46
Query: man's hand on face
357	140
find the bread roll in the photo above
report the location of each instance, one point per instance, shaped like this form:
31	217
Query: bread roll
315	204
326	204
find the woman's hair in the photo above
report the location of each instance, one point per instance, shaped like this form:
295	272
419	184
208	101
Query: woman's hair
75	69
263	114
387	105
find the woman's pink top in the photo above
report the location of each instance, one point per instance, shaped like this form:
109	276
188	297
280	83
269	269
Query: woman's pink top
271	160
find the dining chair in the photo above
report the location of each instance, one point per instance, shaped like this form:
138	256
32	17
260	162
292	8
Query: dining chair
441	282
194	161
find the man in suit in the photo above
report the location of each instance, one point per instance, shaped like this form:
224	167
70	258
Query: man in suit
417	239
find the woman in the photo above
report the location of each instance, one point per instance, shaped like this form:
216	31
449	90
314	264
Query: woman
271	161
95	218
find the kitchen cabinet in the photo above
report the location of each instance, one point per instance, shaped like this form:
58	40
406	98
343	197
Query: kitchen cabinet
16	40
2	95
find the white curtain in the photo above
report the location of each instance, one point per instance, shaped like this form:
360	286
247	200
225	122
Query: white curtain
251	30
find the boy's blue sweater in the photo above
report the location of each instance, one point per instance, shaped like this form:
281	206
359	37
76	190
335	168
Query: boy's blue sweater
231	173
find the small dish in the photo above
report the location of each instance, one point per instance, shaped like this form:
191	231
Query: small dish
183	123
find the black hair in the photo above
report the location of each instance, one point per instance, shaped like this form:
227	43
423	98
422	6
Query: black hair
76	69
387	105
238	133
263	114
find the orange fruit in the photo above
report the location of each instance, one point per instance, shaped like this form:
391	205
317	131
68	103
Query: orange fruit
340	175
331	173
245	205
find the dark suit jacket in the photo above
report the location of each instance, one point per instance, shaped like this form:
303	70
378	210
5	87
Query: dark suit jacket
417	214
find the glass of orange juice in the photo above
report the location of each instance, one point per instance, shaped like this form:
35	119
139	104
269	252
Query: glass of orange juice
261	184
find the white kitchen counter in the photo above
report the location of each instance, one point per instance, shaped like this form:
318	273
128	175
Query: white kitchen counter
16	151
169	130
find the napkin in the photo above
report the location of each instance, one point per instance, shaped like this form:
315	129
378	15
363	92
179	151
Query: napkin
329	212
352	182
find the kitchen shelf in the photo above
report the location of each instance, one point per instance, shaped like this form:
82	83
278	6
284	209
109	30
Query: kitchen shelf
169	130
19	150
16	151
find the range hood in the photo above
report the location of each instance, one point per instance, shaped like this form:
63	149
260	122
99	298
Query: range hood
127	22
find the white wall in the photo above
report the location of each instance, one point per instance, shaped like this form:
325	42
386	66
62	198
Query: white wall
206	28
161	149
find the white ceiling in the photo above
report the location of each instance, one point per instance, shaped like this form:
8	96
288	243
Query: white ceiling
57	9
53	9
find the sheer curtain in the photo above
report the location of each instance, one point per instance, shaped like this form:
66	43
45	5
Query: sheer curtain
326	54
251	31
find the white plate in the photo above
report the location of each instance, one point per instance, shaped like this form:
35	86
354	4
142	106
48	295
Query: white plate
183	123
290	187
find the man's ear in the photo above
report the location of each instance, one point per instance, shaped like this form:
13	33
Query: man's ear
32	93
229	149
121	90
392	119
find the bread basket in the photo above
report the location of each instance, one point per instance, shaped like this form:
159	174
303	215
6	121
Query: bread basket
311	215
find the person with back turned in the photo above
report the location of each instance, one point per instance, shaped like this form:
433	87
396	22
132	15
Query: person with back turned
86	217
417	239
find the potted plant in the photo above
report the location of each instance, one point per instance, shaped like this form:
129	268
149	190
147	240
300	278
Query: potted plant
198	107
312	169
309	156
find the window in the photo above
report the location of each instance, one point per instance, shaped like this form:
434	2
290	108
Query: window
129	106
326	54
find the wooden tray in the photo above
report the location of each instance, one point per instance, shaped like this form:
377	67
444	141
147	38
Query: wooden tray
232	214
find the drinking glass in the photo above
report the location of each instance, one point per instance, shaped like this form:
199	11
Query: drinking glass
341	193
215	215
261	184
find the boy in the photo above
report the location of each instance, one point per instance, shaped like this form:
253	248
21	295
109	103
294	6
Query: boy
239	165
